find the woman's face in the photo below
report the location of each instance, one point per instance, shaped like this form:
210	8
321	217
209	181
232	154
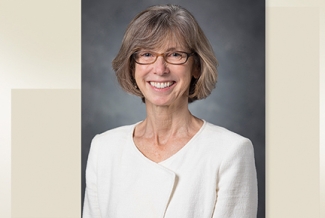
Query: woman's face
164	84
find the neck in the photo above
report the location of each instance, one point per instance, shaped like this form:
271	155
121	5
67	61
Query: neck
164	122
165	131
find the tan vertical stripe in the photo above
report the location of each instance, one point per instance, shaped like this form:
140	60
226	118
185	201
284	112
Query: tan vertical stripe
293	112
46	153
322	109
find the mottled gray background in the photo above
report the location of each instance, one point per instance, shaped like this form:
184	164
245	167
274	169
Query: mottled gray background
236	30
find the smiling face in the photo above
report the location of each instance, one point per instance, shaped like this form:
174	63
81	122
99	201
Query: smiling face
164	84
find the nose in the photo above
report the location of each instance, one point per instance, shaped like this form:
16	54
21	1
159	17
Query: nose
160	66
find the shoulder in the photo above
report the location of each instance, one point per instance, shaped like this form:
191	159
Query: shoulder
236	152
112	139
222	139
221	133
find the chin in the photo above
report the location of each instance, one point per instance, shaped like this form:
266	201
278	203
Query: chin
166	101
159	102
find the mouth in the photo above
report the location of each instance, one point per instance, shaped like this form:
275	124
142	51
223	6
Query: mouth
161	85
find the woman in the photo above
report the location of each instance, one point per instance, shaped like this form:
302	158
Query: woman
171	164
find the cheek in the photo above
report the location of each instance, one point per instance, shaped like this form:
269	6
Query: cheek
140	72
137	72
140	69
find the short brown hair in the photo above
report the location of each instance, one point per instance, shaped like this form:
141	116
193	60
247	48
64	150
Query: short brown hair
150	29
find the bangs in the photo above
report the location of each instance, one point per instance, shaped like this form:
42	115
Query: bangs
159	35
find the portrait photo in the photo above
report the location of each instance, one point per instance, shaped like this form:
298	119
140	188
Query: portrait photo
234	103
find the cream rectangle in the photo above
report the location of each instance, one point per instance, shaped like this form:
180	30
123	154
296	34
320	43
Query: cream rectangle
322	110
292	112
46	153
322	144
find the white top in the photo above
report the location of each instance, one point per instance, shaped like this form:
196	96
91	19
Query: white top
212	176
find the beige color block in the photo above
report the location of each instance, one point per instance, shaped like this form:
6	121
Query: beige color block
322	110
46	153
44	37
294	3
292	113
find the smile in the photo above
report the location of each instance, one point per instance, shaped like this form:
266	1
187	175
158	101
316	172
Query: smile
161	85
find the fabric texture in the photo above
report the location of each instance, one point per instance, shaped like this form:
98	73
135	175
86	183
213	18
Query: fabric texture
212	176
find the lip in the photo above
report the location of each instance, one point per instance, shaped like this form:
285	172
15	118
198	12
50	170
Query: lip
161	85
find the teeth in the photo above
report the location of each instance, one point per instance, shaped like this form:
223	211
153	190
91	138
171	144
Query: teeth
161	85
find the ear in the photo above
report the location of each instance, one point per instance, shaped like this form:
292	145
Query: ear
196	72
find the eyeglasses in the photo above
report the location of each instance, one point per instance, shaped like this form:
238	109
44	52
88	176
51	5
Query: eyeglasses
150	57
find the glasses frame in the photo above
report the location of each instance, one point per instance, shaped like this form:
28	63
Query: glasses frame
164	57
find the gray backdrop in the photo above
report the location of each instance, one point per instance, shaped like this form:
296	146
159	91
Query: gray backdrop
236	30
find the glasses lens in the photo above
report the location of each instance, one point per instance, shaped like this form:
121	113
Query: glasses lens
145	57
176	57
149	57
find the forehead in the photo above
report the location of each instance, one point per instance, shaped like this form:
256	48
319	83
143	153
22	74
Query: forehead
165	43
170	45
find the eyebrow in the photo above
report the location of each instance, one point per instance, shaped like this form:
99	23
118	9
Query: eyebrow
173	49
168	50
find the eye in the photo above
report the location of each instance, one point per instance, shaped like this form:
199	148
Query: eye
175	54
146	54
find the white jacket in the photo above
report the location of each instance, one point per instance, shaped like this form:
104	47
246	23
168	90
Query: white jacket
212	176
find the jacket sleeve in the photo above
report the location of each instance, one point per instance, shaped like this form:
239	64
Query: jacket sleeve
237	183
91	203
